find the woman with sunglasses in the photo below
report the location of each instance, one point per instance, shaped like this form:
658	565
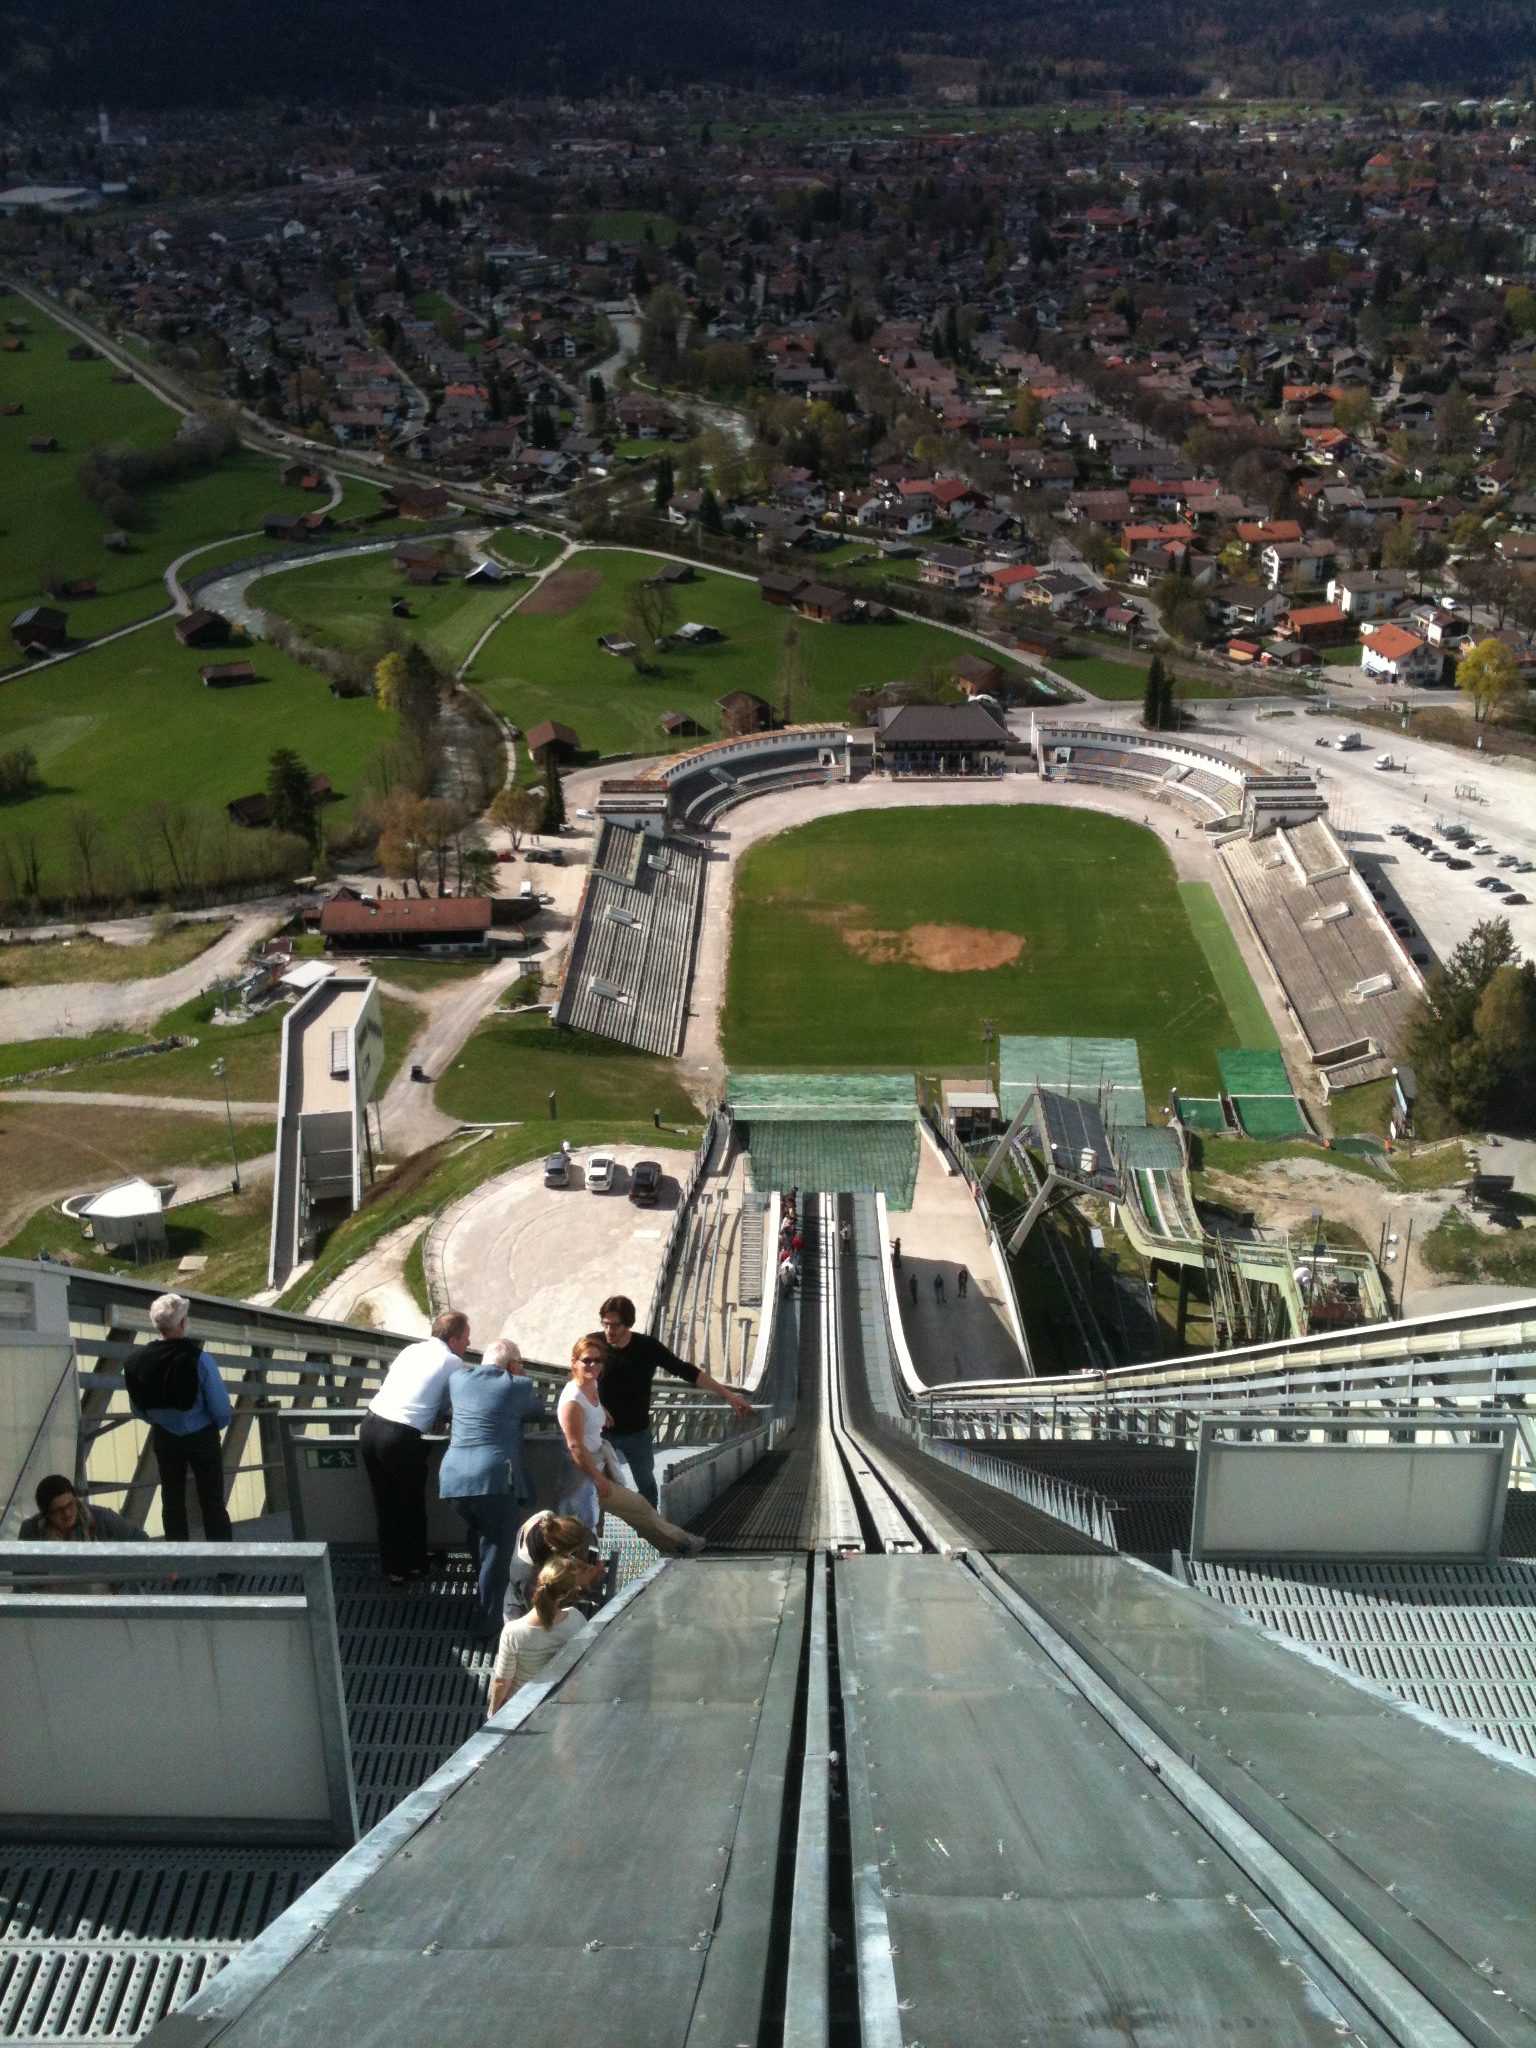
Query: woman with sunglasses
589	1486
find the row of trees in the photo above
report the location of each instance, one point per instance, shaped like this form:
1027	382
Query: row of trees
167	851
110	477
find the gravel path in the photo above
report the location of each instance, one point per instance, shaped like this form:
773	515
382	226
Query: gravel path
79	1008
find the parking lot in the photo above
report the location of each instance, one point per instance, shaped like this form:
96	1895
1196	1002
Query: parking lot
532	1262
1495	800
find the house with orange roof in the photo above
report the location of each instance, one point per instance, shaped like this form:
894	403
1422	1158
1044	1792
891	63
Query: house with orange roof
1391	654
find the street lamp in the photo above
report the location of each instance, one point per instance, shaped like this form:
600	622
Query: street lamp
222	1071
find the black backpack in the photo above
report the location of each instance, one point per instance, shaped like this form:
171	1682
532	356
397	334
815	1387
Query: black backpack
163	1374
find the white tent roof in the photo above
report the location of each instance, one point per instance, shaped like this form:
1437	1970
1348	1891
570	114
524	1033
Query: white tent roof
304	974
128	1198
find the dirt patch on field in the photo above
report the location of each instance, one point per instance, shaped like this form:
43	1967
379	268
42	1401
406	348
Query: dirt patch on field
567	590
945	948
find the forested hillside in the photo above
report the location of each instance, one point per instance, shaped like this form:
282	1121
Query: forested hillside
217	52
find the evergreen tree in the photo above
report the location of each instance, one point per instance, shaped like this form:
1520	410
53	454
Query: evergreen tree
665	481
554	797
1167	716
291	797
1152	697
711	518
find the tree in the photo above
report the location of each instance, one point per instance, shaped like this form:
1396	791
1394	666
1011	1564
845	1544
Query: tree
554	796
1472	1039
711	518
1152	695
1027	414
661	494
477	871
403	834
407	684
1397	550
516	811
792	677
291	797
84	829
1490	675
649	608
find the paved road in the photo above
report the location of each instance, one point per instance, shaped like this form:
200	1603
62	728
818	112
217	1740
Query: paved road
411	1119
534	1262
79	1008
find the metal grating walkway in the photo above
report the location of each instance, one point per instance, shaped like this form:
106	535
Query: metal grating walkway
99	1944
1459	1640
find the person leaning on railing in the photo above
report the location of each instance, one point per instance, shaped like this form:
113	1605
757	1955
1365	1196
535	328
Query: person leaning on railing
174	1385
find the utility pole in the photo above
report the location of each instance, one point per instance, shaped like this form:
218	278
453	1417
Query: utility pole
222	1070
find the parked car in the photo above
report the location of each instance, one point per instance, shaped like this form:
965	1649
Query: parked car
1398	831
1506	1219
1507	860
1525	867
1513	897
419	1073
645	1183
602	1171
557	1171
1458	865
504	853
1438	853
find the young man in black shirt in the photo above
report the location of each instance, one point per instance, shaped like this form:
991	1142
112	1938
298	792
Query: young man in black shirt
634	1360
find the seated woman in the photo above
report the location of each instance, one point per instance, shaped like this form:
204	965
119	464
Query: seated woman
537	1637
589	1485
543	1537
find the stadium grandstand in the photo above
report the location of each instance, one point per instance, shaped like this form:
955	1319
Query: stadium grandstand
1345	976
631	960
706	783
1221	792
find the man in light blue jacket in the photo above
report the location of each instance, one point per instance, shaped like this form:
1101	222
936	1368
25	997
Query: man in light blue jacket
482	1474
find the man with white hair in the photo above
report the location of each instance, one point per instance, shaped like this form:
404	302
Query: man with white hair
483	1473
392	1441
174	1385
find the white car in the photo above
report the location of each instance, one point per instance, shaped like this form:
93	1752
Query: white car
601	1170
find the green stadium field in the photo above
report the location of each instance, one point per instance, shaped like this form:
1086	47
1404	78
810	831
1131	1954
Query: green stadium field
882	941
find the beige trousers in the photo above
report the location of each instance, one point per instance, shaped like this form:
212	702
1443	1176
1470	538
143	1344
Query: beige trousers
635	1509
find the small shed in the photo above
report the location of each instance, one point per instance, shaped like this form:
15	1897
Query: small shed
41	629
227	675
680	724
127	1220
202	629
549	740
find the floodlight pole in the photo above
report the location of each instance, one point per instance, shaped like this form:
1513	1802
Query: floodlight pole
220	1067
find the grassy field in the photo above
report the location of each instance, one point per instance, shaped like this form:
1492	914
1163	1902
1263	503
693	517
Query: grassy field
89	959
124	724
545	663
1245	1006
835	923
508	1069
1120	680
230	1232
527	550
249	1051
47	1152
345	603
47	522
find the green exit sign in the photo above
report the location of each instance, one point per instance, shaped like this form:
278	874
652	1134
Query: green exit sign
342	1459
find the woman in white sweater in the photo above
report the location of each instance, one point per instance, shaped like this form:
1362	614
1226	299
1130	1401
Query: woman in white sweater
537	1637
589	1485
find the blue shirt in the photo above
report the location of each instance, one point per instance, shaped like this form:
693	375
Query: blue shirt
211	1409
485	1444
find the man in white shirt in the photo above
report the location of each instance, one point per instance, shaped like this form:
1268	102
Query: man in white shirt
393	1443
